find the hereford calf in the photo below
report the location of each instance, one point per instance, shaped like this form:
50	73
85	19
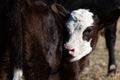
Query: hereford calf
82	35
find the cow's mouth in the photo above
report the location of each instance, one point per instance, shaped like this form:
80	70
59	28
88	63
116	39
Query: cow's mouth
68	54
71	51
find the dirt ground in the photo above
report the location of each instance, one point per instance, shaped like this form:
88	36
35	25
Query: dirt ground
97	70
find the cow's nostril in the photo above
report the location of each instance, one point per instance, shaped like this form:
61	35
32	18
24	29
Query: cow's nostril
69	49
72	50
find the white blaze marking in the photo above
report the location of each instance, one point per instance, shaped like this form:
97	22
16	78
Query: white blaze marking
79	20
18	73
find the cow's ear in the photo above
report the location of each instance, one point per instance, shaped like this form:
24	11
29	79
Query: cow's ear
96	18
59	10
97	22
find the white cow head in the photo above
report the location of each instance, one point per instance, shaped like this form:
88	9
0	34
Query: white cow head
82	34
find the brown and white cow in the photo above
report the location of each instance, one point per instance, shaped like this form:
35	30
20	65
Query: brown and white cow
81	37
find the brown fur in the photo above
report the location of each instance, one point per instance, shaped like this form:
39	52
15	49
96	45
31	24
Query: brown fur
43	40
41	33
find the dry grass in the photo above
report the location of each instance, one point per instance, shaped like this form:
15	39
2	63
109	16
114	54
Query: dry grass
97	70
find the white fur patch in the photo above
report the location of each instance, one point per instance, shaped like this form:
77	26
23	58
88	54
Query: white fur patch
112	67
79	20
87	49
18	73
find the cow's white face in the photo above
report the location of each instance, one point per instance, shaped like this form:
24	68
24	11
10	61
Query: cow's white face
78	22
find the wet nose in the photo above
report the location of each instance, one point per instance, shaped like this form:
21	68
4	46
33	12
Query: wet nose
69	48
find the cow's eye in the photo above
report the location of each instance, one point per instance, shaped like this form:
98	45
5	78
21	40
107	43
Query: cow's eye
87	34
89	30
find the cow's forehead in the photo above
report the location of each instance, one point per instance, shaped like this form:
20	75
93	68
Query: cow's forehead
83	15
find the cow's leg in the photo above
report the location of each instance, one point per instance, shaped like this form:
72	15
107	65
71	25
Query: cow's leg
15	42
15	49
15	52
110	36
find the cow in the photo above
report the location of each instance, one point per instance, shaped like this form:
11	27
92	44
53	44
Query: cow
31	39
108	13
81	37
